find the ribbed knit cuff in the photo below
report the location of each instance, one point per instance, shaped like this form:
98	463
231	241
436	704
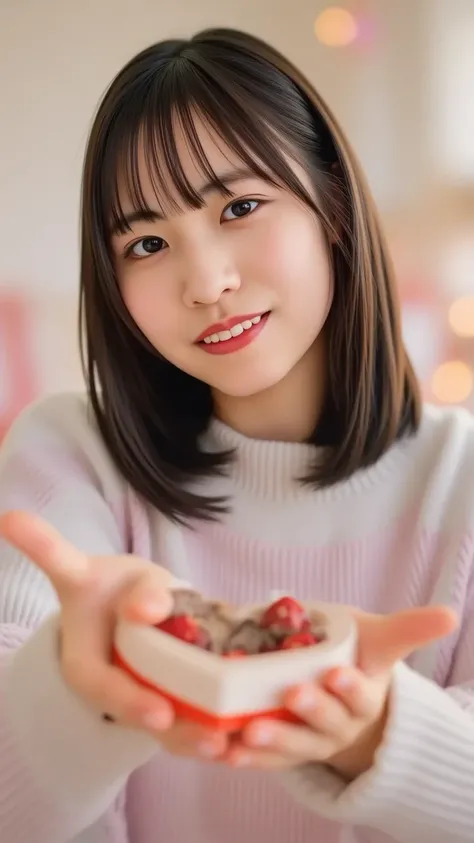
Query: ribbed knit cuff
421	786
77	757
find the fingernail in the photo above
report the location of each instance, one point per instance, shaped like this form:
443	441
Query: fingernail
152	608
306	699
343	681
207	749
262	736
156	720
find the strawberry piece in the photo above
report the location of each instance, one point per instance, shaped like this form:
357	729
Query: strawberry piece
299	639
183	627
235	654
286	615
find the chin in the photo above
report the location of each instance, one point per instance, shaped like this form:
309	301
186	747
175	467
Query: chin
249	382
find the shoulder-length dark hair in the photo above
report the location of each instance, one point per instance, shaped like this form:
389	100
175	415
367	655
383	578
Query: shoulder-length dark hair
152	415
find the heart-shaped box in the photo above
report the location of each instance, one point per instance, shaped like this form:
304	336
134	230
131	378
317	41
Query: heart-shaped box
225	694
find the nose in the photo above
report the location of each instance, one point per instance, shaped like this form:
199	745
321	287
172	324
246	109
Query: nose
209	272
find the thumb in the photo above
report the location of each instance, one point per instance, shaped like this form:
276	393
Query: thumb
384	640
62	563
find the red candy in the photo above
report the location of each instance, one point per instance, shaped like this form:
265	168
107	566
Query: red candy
285	615
284	625
183	627
299	639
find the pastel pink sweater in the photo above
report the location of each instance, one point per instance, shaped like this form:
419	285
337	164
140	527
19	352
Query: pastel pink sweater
400	534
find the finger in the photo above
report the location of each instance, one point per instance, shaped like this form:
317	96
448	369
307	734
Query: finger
299	743
110	691
321	710
239	756
149	601
190	740
384	640
86	655
355	691
62	563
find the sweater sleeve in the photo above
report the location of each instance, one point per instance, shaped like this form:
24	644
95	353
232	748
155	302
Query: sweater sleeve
421	786
61	766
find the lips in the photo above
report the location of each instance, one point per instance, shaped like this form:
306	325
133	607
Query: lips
235	338
232	327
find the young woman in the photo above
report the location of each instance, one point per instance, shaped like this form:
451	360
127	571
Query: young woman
252	423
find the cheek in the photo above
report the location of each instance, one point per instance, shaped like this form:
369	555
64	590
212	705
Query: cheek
150	307
294	258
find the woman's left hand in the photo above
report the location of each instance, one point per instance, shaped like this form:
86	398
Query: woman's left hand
345	712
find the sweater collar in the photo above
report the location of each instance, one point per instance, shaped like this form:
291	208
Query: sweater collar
274	470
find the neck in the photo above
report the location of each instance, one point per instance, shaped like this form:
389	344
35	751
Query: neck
285	412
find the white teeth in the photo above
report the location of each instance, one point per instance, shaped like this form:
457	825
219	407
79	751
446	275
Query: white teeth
235	331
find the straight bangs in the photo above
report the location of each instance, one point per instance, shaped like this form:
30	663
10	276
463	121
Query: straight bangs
143	142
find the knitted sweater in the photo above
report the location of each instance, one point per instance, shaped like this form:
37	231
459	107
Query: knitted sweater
399	534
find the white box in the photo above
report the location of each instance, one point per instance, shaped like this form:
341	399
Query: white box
225	694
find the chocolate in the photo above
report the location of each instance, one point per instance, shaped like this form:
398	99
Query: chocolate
224	630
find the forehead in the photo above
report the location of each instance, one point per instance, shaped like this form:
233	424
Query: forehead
160	167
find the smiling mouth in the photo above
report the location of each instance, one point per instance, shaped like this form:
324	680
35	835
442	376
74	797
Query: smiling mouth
236	331
236	337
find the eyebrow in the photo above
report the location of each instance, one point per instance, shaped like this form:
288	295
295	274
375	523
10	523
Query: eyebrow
213	186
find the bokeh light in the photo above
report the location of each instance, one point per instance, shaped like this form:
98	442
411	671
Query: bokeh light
336	27
461	316
452	382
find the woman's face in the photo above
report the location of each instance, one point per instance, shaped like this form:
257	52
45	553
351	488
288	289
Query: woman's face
235	293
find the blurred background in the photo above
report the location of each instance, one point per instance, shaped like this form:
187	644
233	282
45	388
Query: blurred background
399	74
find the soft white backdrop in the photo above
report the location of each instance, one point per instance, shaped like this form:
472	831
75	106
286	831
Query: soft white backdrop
58	56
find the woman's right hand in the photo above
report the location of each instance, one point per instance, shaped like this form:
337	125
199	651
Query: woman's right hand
94	592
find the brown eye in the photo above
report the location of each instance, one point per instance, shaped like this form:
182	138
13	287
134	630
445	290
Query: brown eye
147	246
240	209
